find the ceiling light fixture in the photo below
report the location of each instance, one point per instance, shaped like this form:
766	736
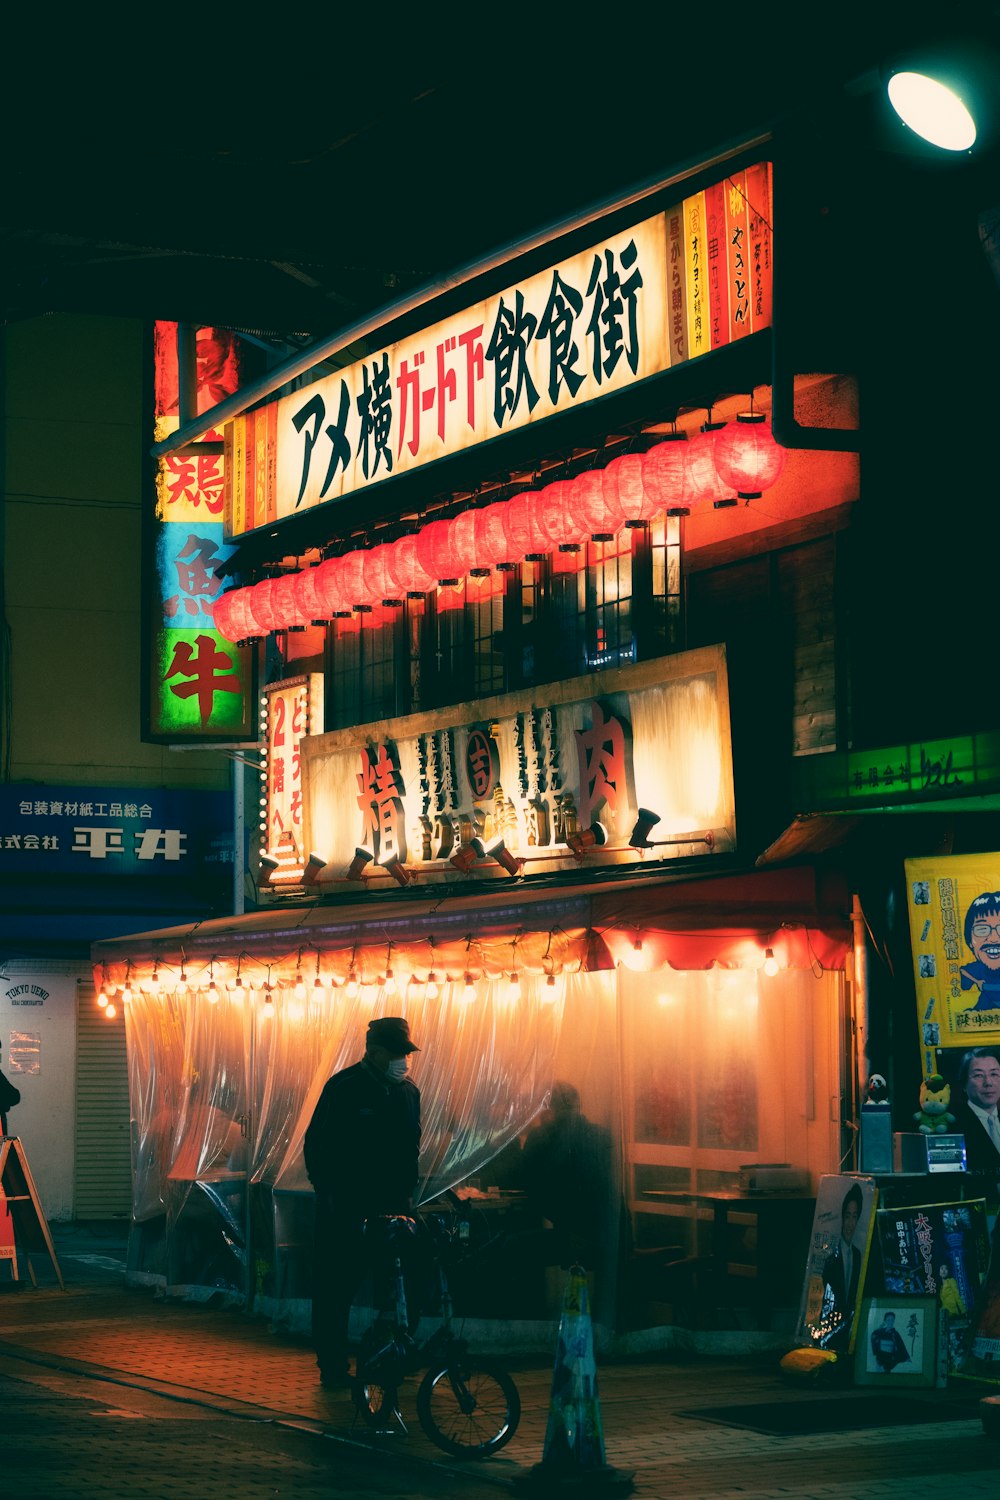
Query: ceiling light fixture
586	839
932	110
362	857
497	849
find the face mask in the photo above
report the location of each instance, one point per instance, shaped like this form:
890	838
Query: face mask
398	1069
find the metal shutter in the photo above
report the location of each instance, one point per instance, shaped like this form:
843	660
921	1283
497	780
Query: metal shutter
102	1167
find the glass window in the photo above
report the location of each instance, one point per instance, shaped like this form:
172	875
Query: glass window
485	607
552	618
609	633
363	674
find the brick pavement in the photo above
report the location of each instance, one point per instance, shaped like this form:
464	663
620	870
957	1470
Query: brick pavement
218	1360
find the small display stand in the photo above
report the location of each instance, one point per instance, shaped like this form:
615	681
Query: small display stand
22	1223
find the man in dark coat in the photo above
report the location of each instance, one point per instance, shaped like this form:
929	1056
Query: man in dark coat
361	1150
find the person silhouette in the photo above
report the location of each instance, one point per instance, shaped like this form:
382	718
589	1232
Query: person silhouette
9	1096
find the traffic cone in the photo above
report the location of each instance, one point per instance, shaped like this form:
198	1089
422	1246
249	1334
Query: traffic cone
573	1459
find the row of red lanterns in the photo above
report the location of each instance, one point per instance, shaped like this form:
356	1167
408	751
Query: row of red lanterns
676	475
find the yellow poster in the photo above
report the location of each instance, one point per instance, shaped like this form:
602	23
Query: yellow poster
954	908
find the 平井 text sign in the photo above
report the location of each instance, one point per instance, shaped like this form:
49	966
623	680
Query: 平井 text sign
94	831
663	292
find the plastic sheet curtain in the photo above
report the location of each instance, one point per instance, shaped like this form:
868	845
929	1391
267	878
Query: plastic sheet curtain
670	1070
207	1181
222	1094
155	1040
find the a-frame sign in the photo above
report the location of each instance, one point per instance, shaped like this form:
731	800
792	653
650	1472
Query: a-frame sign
22	1224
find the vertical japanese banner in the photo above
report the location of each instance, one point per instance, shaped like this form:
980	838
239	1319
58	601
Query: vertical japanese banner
954	908
718	264
291	709
677	324
699	325
759	219
738	255
200	684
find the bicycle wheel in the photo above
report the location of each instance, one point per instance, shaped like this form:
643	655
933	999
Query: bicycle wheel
468	1409
378	1404
375	1387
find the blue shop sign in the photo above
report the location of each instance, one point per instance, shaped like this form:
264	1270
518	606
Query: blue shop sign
97	830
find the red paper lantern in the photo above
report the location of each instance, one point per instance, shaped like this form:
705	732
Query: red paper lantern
492	546
747	458
222	615
378	583
664	472
435	553
703	482
287	611
525	536
405	569
624	491
591	507
307	596
329	588
465	548
352	579
557	517
261	606
241	621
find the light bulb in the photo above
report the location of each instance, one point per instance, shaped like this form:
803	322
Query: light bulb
300	989
433	988
771	965
182	983
111	1011
352	984
549	989
103	1001
239	992
319	990
389	983
514	985
268	1001
469	988
212	993
126	995
154	982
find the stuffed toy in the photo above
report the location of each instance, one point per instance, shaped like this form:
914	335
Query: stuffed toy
935	1096
877	1093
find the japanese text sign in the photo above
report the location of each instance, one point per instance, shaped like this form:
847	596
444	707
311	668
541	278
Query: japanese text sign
534	773
200	684
88	830
954	909
665	291
293	709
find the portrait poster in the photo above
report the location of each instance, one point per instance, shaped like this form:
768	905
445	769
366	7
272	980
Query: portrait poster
954	911
843	1225
937	1250
898	1342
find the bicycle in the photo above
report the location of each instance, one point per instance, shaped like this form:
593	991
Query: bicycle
467	1406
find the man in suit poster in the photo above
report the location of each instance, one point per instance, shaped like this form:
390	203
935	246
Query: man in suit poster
974	1101
835	1273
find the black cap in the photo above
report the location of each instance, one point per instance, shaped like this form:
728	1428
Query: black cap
392	1033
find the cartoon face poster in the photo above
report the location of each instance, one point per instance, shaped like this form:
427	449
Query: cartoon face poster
954	908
